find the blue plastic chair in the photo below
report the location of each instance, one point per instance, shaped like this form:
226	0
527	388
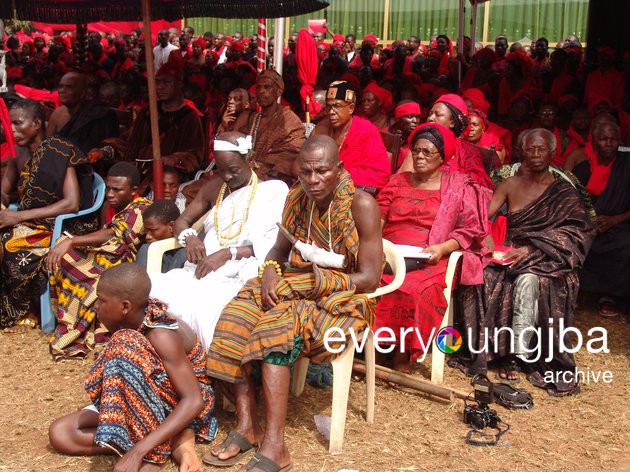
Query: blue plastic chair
48	319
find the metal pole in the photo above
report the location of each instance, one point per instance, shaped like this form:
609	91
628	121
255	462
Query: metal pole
460	39
278	51
473	30
158	189
261	51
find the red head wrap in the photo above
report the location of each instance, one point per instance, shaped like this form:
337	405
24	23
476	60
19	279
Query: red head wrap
200	42
410	108
384	96
237	46
456	101
477	98
450	143
174	67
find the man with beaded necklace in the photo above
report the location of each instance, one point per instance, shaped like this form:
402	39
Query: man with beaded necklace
239	231
285	312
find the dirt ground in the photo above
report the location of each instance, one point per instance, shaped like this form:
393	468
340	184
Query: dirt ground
411	432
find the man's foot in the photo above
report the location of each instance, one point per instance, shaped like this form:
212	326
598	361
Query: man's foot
608	308
508	372
279	461
22	326
401	364
232	450
184	453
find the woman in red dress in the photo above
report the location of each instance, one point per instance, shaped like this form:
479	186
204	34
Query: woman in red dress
441	212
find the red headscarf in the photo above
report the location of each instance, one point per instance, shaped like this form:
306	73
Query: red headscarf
410	108
450	145
384	96
478	99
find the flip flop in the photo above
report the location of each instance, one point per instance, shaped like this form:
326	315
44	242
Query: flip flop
233	437
607	307
512	398
508	367
21	326
265	464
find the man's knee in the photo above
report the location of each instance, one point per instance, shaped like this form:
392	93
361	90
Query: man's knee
59	435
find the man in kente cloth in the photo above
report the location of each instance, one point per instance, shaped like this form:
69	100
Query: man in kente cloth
150	393
285	312
77	262
550	232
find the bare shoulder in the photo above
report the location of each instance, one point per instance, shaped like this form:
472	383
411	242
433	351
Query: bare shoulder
365	209
169	341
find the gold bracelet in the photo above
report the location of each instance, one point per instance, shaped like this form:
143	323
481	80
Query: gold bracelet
270	263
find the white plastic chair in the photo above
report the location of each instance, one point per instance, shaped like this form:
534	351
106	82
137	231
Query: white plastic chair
437	356
98	189
342	364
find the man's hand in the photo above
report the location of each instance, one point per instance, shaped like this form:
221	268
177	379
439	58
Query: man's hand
212	262
9	218
195	250
518	254
130	462
268	287
229	116
56	254
604	223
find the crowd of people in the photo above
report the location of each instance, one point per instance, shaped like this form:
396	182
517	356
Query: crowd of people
514	155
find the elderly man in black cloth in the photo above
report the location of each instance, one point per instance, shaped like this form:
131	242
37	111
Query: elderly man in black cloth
549	233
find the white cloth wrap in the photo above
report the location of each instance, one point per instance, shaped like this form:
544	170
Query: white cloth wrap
199	302
243	147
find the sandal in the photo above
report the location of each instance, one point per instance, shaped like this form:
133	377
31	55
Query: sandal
265	464
508	367
607	307
233	437
512	398
21	326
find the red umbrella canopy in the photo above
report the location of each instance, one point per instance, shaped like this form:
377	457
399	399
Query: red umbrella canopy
87	11
307	63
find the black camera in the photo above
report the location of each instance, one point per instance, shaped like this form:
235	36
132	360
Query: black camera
480	417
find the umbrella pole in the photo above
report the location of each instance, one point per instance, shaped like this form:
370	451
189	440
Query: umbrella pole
158	186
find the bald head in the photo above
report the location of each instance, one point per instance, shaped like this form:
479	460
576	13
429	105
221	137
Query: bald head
324	146
127	281
72	89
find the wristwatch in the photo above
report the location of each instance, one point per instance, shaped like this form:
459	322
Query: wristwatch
233	252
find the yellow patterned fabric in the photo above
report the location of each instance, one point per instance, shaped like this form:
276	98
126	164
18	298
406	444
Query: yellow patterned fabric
73	285
311	299
23	247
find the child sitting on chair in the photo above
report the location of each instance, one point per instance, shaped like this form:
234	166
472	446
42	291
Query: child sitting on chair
159	219
149	390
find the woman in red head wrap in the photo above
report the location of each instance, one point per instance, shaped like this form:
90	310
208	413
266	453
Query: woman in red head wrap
518	80
436	212
376	104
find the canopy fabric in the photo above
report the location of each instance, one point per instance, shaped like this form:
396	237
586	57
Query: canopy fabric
123	27
86	11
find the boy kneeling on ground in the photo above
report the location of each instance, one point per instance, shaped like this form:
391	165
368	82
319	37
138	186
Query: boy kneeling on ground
149	390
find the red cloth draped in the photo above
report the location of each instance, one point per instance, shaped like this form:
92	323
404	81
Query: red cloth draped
364	155
5	120
577	141
469	161
599	172
307	64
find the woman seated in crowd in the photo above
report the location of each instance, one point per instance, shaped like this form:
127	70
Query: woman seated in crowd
376	105
239	231
52	177
478	124
451	111
441	212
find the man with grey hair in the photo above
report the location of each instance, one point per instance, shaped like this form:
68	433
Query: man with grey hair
535	288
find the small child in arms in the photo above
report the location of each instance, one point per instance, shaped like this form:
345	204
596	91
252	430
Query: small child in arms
149	390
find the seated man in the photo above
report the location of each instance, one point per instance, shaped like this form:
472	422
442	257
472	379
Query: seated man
154	410
77	262
605	172
56	178
182	140
85	122
279	316
239	231
361	148
277	133
550	232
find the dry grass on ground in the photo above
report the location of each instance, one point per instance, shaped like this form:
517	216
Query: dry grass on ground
412	431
